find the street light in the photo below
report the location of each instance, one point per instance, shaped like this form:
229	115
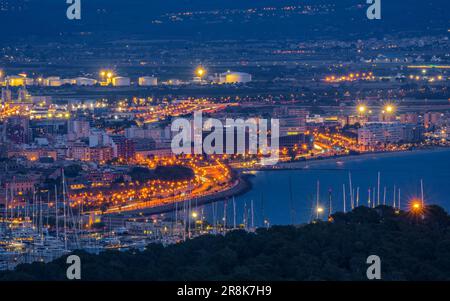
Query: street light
319	210
416	206
200	71
389	109
362	108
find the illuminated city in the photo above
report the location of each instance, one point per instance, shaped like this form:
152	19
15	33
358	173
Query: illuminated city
88	114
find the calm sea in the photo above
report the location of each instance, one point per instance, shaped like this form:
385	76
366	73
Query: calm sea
275	193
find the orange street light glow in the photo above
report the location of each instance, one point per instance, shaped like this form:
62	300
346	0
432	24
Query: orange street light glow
362	108
389	108
200	71
416	206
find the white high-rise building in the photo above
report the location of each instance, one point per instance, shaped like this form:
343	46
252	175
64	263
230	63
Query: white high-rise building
374	133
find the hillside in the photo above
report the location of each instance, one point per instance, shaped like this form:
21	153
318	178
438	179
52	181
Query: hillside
410	248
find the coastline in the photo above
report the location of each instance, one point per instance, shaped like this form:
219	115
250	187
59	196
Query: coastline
327	161
244	184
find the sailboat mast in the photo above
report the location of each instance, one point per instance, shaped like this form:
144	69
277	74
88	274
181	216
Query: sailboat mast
343	198
6	204
264	221
213	207
373	198
291	202
234	213
318	198
253	217
40	217
330	205
189	219
56	212
350	188
378	188
357	197
64	209
395	192
12	202
225	215
176	218
184	221
421	192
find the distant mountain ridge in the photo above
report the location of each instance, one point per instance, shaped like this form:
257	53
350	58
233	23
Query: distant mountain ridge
159	19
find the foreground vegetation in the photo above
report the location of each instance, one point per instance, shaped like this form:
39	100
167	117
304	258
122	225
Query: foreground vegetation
412	246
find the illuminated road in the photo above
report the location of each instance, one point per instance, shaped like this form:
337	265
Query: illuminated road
209	180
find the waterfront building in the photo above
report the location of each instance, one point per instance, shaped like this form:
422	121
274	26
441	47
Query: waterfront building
375	133
292	126
412	132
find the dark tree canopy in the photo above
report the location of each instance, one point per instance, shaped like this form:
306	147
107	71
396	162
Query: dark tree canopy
411	247
164	173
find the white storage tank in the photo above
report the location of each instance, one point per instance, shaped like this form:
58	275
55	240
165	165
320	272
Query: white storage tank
235	77
83	81
121	81
68	81
147	81
16	81
53	81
